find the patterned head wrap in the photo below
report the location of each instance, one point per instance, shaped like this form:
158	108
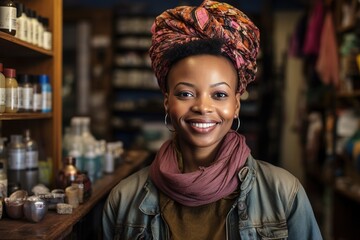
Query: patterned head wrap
211	20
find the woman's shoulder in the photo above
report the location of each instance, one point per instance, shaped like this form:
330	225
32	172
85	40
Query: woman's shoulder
276	176
132	183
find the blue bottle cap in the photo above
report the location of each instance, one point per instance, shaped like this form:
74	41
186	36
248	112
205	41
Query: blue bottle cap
43	78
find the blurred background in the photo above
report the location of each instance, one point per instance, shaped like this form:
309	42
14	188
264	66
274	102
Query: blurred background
301	113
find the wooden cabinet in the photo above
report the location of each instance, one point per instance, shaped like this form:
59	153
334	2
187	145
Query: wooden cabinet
30	59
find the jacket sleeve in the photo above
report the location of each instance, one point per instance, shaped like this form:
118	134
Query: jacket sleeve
109	216
301	220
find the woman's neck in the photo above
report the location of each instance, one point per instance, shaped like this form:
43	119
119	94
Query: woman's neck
195	157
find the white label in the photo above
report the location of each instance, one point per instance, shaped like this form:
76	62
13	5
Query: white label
27	96
8	18
46	102
47	40
17	159
12	98
37	101
2	96
32	159
20	99
20	28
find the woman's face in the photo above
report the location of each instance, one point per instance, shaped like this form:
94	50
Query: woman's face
202	101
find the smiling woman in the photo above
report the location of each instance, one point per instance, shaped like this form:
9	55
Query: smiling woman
204	182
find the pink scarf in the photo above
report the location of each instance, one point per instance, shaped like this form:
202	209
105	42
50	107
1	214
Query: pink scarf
207	184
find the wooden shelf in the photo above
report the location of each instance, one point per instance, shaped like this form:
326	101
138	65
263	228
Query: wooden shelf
23	116
15	47
56	226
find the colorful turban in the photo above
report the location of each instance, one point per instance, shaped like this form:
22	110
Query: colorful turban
211	20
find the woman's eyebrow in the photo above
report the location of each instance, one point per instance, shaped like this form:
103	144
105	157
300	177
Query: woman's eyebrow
220	83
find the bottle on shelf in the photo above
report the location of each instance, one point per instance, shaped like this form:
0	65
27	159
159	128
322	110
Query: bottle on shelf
26	93
11	86
68	174
8	17
37	97
47	41
46	93
16	163
32	161
90	162
75	145
2	89
21	23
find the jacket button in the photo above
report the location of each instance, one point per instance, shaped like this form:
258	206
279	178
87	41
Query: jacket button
242	206
243	216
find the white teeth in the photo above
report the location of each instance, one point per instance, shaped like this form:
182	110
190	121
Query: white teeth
203	125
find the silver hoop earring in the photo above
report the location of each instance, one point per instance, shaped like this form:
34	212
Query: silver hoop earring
238	124
166	124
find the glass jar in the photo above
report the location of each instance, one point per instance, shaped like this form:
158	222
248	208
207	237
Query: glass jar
8	17
68	173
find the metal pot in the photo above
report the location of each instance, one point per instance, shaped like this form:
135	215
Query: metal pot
35	209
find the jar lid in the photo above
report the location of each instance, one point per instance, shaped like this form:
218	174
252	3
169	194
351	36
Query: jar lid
1	67
9	72
43	78
23	78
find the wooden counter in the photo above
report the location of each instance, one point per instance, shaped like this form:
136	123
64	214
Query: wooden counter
55	226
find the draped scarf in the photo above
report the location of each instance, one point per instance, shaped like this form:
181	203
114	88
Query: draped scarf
207	184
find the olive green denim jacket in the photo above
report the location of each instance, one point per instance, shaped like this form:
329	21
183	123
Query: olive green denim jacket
272	204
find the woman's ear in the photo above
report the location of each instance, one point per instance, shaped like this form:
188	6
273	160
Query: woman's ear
237	107
166	102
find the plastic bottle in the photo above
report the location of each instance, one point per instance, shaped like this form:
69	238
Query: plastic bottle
47	41
32	161
90	162
26	93
46	92
34	23
8	17
11	86
109	163
21	19
76	147
40	31
2	89
37	98
16	161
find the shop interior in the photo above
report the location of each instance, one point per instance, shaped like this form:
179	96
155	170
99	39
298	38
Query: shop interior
301	113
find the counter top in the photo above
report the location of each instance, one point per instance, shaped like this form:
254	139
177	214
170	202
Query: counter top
56	226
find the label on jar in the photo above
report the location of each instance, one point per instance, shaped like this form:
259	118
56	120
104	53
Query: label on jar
37	101
27	96
20	98
8	18
2	96
46	101
12	98
32	159
17	159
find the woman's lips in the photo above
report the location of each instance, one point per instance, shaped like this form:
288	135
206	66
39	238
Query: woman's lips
202	127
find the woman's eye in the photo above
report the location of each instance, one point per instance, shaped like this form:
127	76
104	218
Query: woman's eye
184	94
220	95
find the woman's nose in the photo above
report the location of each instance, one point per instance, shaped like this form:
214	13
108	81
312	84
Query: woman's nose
202	104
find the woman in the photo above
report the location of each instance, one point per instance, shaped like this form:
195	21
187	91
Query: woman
204	183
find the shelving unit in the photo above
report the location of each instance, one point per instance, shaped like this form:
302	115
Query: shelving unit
30	59
332	174
137	99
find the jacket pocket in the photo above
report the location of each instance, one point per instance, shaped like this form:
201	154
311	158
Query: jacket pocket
273	232
133	233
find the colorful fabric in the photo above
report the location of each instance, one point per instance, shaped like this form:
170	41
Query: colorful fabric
327	64
211	20
206	185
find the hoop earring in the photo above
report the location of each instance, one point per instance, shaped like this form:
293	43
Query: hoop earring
166	124
238	124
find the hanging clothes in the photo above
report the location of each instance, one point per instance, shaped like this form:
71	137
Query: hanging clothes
315	23
327	65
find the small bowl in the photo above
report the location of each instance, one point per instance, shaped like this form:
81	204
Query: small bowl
14	204
35	209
